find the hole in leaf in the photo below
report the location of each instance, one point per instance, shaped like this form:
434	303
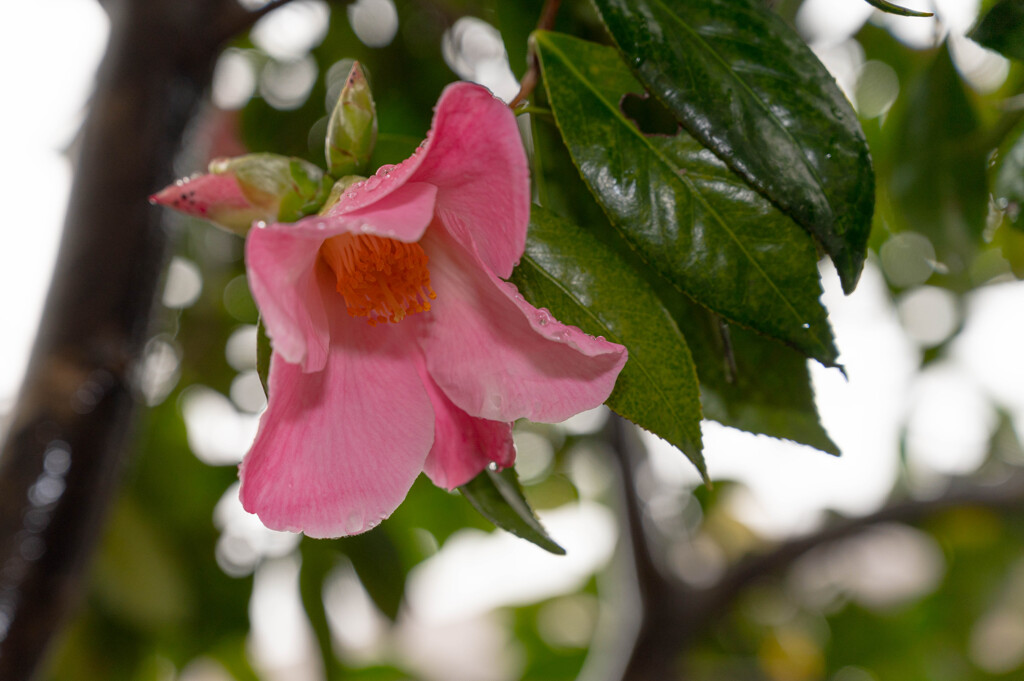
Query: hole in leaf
649	115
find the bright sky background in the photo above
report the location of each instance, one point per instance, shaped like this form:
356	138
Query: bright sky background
789	485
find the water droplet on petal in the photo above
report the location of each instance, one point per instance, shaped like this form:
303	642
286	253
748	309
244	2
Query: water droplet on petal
260	224
371	183
543	317
354	523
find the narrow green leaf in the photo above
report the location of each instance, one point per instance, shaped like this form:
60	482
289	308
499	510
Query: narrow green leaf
896	9
318	559
498	497
585	283
687	215
748	87
263	352
1002	29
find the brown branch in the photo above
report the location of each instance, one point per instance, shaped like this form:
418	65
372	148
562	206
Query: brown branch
1007	496
655	650
674	615
70	428
529	80
235	19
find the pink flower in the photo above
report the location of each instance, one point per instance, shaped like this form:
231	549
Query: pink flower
397	347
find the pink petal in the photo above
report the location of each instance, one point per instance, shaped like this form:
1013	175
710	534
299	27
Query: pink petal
282	269
402	214
474	156
463	445
496	356
283	263
338	449
214	197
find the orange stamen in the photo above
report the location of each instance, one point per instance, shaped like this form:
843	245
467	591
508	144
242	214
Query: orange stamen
380	278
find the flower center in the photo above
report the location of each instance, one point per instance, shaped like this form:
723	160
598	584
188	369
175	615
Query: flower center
380	278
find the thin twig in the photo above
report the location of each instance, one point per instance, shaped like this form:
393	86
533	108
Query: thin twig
529	80
237	19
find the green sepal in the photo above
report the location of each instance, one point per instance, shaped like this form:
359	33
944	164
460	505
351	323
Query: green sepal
283	187
337	189
498	497
352	127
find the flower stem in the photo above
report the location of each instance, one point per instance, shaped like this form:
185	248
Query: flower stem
529	80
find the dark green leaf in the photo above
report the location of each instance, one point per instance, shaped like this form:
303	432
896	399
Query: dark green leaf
896	9
376	560
748	87
751	382
771	391
688	216
1002	29
586	284
938	180
392	149
498	497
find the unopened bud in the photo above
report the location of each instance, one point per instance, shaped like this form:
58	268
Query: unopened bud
352	128
239	191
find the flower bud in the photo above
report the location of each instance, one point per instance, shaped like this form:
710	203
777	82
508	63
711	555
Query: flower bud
238	191
352	129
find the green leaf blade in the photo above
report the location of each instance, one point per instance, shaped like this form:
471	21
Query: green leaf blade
499	498
687	215
585	283
747	87
1002	29
765	390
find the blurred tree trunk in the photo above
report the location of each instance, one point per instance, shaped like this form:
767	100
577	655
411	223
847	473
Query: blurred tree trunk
70	429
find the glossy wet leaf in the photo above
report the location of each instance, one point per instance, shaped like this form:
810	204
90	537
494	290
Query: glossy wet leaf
585	283
499	498
687	215
1002	29
747	86
890	8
